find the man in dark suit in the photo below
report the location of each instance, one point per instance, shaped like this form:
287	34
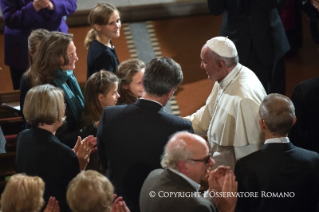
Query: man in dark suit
256	29
131	138
281	176
305	132
186	162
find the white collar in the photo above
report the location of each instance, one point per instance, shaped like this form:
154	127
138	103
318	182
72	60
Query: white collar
192	182
232	74
277	140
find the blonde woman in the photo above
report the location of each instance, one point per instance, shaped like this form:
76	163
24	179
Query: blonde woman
92	191
25	193
40	152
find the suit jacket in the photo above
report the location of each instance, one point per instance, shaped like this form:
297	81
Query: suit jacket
131	139
160	182
252	23
40	153
279	168
21	18
305	97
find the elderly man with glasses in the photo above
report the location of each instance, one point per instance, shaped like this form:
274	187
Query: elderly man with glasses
186	161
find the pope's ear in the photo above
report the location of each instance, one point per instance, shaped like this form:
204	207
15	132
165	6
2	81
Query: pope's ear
221	64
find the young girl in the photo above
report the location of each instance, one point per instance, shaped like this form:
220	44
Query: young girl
34	41
100	91
130	73
106	24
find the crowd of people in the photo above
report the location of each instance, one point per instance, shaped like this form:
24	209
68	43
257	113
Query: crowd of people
113	148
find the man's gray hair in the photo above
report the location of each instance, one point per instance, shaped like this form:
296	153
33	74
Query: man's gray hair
161	75
175	151
278	113
229	61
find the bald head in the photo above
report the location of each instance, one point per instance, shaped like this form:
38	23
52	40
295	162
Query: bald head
278	113
188	154
182	146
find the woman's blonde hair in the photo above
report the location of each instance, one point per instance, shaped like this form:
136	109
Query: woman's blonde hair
47	59
90	191
126	71
100	15
44	104
22	193
98	83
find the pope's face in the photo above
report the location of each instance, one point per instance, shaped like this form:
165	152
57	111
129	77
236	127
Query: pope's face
209	64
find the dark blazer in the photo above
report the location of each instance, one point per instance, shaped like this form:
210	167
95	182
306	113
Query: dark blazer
252	23
305	132
131	139
21	18
279	168
160	181
40	153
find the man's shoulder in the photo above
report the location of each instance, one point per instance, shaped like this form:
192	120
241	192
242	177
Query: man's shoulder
268	152
307	153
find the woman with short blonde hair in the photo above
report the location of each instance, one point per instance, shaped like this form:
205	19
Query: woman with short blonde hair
40	152
44	105
25	193
92	191
22	193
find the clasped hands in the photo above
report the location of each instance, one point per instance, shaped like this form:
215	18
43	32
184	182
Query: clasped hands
83	149
222	179
42	4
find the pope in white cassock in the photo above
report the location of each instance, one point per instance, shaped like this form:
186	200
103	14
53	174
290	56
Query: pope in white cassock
230	116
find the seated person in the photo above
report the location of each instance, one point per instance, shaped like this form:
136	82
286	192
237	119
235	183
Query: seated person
25	193
91	191
130	73
40	152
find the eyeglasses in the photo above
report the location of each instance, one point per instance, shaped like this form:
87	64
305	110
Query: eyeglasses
205	160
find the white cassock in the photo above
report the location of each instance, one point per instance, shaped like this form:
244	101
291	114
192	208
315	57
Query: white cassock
230	117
